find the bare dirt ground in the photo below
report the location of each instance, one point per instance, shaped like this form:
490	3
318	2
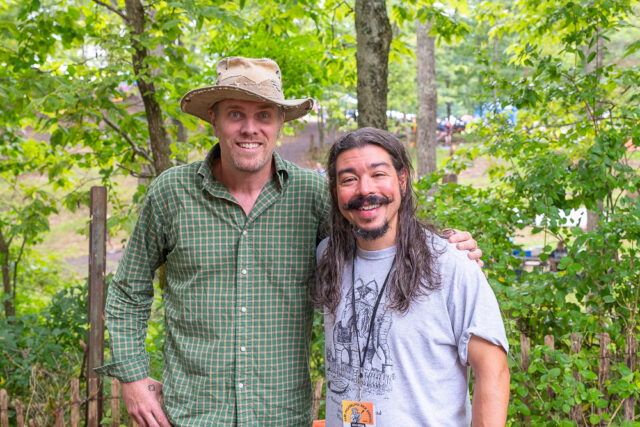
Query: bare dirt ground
297	148
478	169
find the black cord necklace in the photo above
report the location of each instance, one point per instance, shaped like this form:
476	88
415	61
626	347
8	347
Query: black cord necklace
362	356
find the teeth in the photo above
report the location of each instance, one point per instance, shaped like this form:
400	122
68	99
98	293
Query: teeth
249	145
369	207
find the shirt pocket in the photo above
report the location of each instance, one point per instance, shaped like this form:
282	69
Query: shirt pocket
289	263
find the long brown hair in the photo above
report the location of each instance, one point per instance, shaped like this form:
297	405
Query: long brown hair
416	271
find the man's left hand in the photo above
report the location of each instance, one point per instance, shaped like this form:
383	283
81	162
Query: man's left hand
466	242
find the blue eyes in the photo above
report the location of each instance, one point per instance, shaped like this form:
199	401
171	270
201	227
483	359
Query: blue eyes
238	115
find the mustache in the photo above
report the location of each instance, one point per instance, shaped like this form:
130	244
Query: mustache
371	199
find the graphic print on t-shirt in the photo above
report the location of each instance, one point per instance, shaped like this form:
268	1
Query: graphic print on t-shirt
342	360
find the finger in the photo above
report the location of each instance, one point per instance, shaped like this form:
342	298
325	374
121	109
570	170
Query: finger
474	254
480	262
467	245
138	419
161	418
154	417
460	236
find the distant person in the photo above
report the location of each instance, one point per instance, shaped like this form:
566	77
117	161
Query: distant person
237	232
448	132
406	314
556	255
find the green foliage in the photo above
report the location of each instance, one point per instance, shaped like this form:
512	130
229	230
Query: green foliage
42	351
316	361
566	153
72	103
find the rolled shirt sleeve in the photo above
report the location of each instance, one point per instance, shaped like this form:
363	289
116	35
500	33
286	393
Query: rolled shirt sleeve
130	294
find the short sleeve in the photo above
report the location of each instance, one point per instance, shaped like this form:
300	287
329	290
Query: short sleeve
472	305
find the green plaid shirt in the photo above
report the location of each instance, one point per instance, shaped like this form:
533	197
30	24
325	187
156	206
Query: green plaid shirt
237	314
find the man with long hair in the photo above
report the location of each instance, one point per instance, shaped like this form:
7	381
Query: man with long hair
406	314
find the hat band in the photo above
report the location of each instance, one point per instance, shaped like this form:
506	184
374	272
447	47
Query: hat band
266	88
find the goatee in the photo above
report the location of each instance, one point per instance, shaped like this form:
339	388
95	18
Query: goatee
374	234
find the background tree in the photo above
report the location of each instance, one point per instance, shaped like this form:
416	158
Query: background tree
427	99
373	34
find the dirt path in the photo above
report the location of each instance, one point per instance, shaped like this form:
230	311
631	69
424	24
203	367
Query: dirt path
296	148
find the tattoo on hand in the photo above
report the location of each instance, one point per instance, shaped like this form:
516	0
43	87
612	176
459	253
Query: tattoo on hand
151	387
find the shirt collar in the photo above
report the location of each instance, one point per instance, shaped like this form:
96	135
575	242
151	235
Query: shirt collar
282	168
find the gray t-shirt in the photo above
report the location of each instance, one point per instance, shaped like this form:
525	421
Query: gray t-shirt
415	371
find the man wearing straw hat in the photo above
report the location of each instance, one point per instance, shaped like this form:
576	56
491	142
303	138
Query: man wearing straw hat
237	233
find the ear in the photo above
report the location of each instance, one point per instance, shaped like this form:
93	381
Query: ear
212	117
402	181
212	120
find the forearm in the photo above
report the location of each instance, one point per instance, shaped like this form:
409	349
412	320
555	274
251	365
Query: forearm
126	316
130	295
490	398
491	383
127	313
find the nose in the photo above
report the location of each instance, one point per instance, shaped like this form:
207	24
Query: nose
249	126
365	185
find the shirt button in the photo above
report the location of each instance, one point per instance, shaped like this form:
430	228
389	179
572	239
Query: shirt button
244	271
240	385
244	232
243	309
243	348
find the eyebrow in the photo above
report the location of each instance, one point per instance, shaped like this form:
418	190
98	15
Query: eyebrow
371	166
265	106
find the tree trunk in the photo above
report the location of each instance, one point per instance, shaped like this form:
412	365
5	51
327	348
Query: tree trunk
594	67
427	100
5	269
373	36
496	42
160	145
321	129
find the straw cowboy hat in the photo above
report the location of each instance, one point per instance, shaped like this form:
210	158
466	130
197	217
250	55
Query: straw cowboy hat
245	79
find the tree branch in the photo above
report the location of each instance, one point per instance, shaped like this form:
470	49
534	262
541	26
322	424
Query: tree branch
134	147
17	262
113	9
136	174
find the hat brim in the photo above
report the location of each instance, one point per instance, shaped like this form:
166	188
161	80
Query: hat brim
198	101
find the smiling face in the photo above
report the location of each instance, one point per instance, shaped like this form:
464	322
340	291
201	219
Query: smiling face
247	132
368	191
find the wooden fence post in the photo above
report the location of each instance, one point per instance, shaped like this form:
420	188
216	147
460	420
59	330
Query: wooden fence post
19	413
525	361
549	341
115	402
630	359
604	370
525	349
4	408
317	396
75	402
59	422
576	410
93	418
97	265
